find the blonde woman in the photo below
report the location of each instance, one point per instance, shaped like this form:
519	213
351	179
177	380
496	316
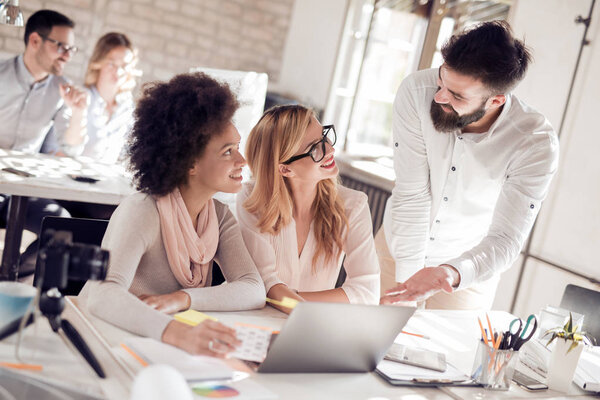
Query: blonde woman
110	78
298	224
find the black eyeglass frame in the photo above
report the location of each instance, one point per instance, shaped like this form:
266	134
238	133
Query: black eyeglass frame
326	130
61	47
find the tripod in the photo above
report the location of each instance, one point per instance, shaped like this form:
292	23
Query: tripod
52	305
58	260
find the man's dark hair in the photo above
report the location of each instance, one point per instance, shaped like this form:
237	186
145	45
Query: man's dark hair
43	21
174	121
490	53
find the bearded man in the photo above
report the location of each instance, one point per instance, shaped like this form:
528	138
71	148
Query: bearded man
37	102
473	164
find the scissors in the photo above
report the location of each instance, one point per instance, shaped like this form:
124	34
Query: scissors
514	340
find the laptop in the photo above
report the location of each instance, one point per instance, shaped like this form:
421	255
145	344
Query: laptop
334	337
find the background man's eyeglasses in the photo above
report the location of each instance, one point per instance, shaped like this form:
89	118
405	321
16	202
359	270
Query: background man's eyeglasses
318	150
61	47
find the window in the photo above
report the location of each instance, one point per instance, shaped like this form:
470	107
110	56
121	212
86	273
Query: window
383	42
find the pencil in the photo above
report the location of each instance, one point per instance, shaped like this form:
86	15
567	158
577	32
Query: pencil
483	334
134	355
491	330
31	367
416	334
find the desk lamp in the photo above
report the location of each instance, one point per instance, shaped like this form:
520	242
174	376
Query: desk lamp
10	13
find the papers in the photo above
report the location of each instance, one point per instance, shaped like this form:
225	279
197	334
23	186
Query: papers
403	374
255	339
255	342
193	368
587	375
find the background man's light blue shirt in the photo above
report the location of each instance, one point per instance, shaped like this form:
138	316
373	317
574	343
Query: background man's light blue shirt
29	109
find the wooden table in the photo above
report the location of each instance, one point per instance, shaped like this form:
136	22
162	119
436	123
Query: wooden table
52	181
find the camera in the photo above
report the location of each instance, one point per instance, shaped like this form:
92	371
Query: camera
61	260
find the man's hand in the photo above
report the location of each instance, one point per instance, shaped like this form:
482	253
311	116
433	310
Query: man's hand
76	99
423	284
168	303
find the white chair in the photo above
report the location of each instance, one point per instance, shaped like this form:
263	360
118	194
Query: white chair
251	91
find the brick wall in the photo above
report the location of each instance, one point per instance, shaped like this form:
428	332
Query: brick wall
174	35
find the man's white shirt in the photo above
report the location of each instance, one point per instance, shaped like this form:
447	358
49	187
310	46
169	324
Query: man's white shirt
464	199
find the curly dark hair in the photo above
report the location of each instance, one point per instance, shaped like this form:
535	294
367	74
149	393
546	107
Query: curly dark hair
490	53
173	123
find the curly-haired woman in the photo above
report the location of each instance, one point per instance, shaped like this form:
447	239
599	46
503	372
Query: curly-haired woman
297	222
162	240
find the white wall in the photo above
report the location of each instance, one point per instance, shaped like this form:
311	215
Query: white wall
568	227
311	50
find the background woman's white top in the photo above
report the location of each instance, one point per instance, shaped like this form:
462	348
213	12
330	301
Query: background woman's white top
107	136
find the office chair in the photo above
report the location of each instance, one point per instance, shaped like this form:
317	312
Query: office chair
586	302
88	231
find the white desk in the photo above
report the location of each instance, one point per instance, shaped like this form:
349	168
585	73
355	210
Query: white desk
451	332
52	181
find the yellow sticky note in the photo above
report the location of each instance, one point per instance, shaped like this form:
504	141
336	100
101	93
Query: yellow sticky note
285	302
192	317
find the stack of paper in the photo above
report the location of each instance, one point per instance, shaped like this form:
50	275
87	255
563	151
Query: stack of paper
403	374
587	375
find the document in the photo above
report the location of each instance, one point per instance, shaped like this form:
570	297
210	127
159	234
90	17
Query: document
193	368
403	374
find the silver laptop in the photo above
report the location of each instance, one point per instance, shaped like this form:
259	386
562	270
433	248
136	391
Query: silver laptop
334	337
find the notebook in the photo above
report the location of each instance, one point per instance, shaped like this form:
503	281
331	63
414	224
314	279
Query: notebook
193	368
408	375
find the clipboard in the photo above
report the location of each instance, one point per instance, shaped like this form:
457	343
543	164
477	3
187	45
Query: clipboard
398	374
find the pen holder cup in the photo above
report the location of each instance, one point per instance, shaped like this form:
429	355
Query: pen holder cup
494	369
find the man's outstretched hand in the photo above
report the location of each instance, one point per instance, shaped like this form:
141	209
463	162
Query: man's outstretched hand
423	284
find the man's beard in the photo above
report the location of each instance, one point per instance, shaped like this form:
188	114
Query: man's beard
50	67
450	121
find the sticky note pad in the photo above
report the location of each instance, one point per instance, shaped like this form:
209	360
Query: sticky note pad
192	317
285	302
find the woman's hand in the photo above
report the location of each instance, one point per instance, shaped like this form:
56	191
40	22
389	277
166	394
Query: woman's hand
209	338
168	303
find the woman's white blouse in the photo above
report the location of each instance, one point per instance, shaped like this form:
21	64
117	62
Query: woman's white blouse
277	260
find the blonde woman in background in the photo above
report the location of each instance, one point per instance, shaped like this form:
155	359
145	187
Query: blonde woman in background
298	223
110	79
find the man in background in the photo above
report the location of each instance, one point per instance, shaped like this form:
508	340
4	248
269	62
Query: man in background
35	99
473	164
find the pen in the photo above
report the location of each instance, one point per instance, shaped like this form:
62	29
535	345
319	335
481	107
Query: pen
416	334
31	367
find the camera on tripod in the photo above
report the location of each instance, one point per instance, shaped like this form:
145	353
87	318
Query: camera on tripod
61	260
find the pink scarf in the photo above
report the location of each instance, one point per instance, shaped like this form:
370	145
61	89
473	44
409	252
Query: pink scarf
189	252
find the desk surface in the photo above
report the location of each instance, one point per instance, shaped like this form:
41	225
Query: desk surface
52	180
452	332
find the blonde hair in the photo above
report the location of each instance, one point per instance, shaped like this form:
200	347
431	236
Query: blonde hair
277	137
104	45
